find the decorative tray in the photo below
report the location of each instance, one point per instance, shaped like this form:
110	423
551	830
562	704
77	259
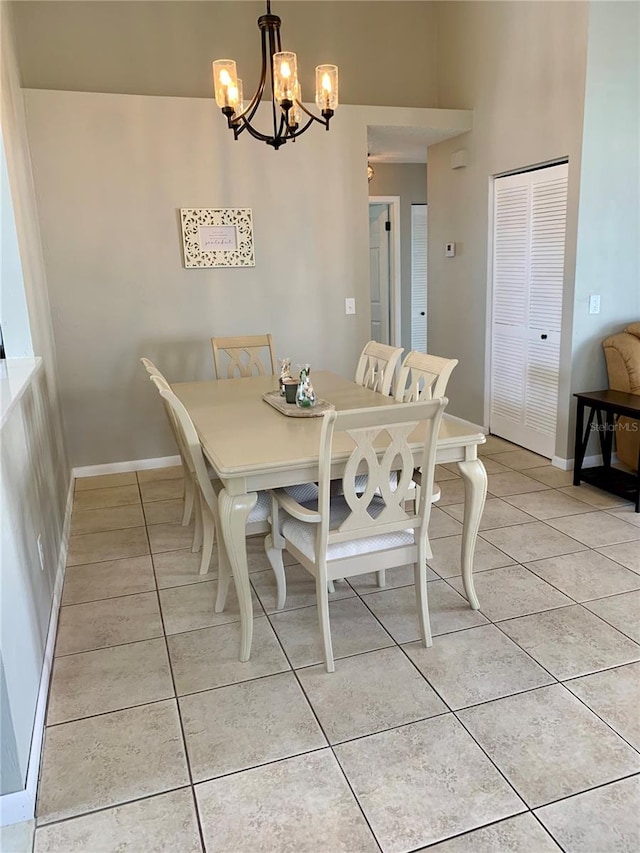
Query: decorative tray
291	410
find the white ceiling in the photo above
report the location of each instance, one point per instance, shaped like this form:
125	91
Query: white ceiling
388	144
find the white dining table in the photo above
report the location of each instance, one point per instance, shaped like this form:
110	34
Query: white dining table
251	446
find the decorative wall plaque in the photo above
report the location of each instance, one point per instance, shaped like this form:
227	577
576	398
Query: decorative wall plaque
217	237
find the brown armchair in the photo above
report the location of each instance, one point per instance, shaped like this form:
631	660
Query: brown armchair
622	354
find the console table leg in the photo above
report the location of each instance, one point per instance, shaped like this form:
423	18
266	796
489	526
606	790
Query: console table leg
579	446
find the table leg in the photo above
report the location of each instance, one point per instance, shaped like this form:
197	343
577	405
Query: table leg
474	476
609	426
234	512
582	440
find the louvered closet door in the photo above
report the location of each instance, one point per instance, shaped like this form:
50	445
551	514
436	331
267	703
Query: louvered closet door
419	277
528	266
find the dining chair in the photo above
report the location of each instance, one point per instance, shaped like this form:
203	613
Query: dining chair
423	377
377	365
189	486
245	355
208	500
258	521
350	534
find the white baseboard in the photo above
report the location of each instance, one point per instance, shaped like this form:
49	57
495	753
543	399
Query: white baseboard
123	467
21	805
589	461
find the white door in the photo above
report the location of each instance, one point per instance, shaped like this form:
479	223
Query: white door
379	272
419	277
528	267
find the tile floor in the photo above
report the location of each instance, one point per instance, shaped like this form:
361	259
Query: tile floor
518	731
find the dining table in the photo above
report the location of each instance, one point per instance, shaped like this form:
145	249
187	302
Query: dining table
251	447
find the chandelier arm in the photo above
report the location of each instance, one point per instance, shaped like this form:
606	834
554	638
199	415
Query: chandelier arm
324	121
257	134
274	38
276	141
251	110
300	131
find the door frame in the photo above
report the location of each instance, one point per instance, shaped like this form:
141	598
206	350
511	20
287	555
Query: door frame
395	265
488	335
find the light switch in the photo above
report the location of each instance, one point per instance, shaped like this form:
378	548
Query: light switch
350	305
450	250
594	303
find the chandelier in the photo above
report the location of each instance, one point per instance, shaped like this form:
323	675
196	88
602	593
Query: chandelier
288	111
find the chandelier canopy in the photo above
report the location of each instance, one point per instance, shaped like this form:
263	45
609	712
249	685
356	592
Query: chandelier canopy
288	111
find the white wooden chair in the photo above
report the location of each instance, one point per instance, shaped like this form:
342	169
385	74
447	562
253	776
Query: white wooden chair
258	521
423	377
349	534
245	355
377	365
189	485
208	501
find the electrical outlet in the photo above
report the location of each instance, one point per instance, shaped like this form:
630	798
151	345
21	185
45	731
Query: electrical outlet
350	306
40	552
594	303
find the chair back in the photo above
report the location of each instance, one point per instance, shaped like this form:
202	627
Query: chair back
161	382
377	365
245	356
378	442
423	377
151	369
187	439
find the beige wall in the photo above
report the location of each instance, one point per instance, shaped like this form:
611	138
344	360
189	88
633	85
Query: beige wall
521	67
112	172
166	48
608	248
409	182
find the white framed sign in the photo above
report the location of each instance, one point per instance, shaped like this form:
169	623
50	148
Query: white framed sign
217	237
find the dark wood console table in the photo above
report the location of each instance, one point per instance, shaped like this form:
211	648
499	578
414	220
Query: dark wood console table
606	407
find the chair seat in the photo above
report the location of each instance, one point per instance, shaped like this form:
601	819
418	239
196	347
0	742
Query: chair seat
303	535
261	510
302	494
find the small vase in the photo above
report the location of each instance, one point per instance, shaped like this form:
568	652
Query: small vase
305	396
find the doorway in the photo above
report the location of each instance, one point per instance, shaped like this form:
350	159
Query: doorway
529	225
384	271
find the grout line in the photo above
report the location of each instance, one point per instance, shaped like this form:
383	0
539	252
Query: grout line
113	710
599	716
469	832
175	697
632	775
45	824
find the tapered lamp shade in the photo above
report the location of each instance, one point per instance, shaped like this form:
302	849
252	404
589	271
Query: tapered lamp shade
285	76
327	87
225	82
